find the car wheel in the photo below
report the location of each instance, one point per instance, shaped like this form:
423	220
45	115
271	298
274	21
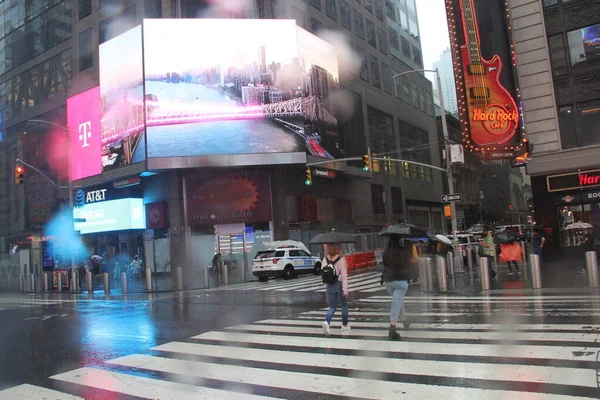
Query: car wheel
263	278
317	270
288	272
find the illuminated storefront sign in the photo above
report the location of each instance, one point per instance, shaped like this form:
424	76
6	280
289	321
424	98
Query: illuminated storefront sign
83	118
112	215
573	180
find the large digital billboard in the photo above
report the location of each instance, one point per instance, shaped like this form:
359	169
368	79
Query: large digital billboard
237	87
485	83
122	100
109	216
83	120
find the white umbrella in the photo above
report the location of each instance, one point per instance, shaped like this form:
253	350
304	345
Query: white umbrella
444	239
579	225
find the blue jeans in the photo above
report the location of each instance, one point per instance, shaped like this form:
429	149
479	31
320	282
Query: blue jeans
334	291
397	289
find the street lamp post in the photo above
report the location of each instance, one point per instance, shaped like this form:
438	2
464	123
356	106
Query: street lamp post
447	144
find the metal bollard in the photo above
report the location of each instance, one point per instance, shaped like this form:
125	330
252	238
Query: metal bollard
9	279
21	283
59	281
32	282
429	269
73	281
148	280
536	276
469	253
106	283
450	264
205	276
422	274
124	282
45	281
225	275
591	265
442	273
484	273
178	279
495	255
524	250
89	282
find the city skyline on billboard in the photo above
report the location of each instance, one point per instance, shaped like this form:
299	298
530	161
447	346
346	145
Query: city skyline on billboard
122	101
257	87
485	83
83	121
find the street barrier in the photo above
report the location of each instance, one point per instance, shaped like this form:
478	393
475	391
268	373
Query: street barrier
106	282
361	260
178	279
31	282
124	282
469	253
450	264
442	273
89	282
205	277
225	275
484	273
73	280
45	281
536	275
148	280
59	281
21	283
591	265
524	250
429	272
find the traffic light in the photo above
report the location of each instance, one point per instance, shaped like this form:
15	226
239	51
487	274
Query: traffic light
19	175
308	177
367	162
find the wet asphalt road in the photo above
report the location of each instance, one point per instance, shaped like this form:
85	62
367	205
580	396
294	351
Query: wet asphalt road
228	344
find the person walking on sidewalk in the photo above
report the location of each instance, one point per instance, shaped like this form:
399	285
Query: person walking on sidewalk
397	263
587	244
538	240
489	249
335	276
511	253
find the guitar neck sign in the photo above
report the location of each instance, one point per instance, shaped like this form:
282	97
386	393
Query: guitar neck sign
485	84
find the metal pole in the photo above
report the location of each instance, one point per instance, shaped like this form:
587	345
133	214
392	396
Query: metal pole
591	265
442	273
450	263
89	282
524	250
73	280
422	274
106	283
32	282
21	283
205	276
178	279
225	274
124	282
59	281
536	276
148	280
469	253
429	270
9	278
45	281
484	273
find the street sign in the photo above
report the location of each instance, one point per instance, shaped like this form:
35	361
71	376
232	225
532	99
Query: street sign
449	198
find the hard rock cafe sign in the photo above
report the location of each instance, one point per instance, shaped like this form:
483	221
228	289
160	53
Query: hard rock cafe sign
495	118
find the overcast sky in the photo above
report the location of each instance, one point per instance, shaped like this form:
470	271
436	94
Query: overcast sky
433	29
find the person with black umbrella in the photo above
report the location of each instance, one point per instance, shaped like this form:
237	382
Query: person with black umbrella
397	263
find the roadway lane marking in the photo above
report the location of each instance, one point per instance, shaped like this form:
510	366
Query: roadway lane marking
30	392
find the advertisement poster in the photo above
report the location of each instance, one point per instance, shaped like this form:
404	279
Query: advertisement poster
485	82
244	87
122	100
228	197
83	118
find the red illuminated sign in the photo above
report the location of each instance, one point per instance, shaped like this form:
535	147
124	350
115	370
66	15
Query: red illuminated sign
573	180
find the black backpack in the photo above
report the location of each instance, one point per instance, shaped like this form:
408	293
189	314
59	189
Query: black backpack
329	273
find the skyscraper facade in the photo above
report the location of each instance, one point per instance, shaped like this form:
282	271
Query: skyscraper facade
445	68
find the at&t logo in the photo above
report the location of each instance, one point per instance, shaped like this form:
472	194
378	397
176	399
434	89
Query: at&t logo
79	198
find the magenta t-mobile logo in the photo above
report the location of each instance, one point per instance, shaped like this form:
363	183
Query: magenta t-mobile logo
85	132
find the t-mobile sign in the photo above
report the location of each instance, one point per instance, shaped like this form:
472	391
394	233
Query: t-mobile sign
83	117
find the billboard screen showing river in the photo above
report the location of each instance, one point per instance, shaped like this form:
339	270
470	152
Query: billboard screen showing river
122	100
230	86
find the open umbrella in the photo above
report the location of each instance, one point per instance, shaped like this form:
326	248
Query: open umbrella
443	239
332	237
404	230
477	228
579	225
505	237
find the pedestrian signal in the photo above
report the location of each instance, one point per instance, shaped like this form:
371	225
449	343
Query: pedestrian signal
367	162
308	177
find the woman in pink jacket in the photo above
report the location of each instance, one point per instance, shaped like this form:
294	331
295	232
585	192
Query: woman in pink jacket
337	290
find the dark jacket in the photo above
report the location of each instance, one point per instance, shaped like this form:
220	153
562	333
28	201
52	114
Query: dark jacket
588	242
397	264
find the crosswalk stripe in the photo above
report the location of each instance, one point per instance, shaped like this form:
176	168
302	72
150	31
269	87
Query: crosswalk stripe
370	286
379	313
352	287
444	369
300	282
30	392
145	387
387	299
375	289
314	383
542	352
361	278
502	297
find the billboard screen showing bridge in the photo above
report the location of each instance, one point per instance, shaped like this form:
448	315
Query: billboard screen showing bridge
237	87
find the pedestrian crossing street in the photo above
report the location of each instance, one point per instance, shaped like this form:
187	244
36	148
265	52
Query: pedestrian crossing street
364	282
457	348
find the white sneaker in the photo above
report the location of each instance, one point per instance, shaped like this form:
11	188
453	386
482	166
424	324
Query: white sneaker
510	273
345	330
326	328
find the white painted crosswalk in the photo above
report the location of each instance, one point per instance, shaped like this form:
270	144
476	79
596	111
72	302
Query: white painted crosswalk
367	281
453	350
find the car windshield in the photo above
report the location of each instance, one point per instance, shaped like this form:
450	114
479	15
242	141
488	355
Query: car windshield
264	254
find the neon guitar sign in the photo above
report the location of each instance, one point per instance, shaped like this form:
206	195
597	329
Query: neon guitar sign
492	111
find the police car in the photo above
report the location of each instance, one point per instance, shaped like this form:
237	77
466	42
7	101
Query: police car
285	261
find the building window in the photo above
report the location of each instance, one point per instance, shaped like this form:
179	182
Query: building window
589	122
396	83
415	96
390	10
403	20
548	3
397	207
412	27
364	65
375	71
299	16
369	5
316	4
414	146
405	47
358	25
109	28
85	8
377	198
417	56
330	9
406	89
387	81
428	109
315	25
383	47
345	13
422	99
566	125
85	50
393	38
411	6
379	9
558	55
584	48
371	33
